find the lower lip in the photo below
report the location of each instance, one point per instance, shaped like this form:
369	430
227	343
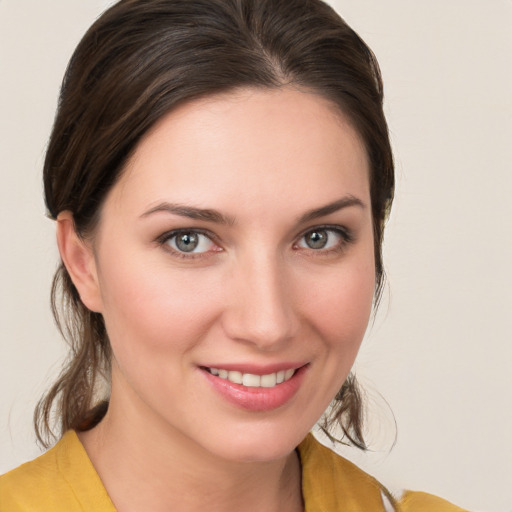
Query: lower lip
257	399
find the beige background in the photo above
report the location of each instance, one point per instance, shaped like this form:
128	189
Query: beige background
440	350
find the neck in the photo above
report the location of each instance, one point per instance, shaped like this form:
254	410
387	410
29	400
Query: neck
164	470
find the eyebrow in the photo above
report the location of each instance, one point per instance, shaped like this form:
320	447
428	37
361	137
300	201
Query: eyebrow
191	212
210	215
344	202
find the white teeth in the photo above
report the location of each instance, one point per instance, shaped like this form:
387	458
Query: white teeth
254	381
251	381
235	377
268	381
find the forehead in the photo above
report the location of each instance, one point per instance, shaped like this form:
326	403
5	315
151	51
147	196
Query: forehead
253	143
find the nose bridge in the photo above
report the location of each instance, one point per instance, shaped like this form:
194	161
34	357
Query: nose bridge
262	310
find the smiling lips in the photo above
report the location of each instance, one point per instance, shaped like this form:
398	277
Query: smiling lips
256	391
251	380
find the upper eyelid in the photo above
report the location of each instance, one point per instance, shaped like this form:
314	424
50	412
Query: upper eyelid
175	232
327	227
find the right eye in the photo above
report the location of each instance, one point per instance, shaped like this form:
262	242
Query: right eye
189	242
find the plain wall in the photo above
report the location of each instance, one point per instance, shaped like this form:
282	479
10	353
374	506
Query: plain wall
440	349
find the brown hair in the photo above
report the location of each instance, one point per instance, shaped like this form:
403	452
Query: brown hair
138	61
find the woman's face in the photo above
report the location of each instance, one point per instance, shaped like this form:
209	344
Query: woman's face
235	252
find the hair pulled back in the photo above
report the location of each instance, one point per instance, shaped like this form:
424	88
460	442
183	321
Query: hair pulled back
138	61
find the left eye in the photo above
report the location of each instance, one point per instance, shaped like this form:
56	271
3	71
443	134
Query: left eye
318	239
190	242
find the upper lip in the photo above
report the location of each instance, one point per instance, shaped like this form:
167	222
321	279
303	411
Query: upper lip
255	369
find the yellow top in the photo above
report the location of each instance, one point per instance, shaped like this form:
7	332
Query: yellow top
64	480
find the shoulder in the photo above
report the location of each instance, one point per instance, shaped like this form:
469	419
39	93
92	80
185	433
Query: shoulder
331	482
40	484
54	481
414	501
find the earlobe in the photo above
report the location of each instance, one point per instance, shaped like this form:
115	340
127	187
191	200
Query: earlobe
78	258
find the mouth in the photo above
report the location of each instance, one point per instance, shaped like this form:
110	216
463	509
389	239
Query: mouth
251	380
256	389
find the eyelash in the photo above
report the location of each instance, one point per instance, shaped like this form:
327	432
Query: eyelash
346	238
164	239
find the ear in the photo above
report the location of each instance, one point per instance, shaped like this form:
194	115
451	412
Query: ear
78	258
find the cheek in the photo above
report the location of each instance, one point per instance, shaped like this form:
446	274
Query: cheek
149	310
341	307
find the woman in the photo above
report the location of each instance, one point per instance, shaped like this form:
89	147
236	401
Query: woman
220	173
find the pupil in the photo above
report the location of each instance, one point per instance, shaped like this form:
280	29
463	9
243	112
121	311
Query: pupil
187	242
317	239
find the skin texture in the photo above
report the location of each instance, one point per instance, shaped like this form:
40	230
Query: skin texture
255	294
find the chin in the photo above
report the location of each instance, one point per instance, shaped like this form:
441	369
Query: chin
255	443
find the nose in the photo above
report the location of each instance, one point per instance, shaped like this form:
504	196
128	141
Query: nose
261	309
